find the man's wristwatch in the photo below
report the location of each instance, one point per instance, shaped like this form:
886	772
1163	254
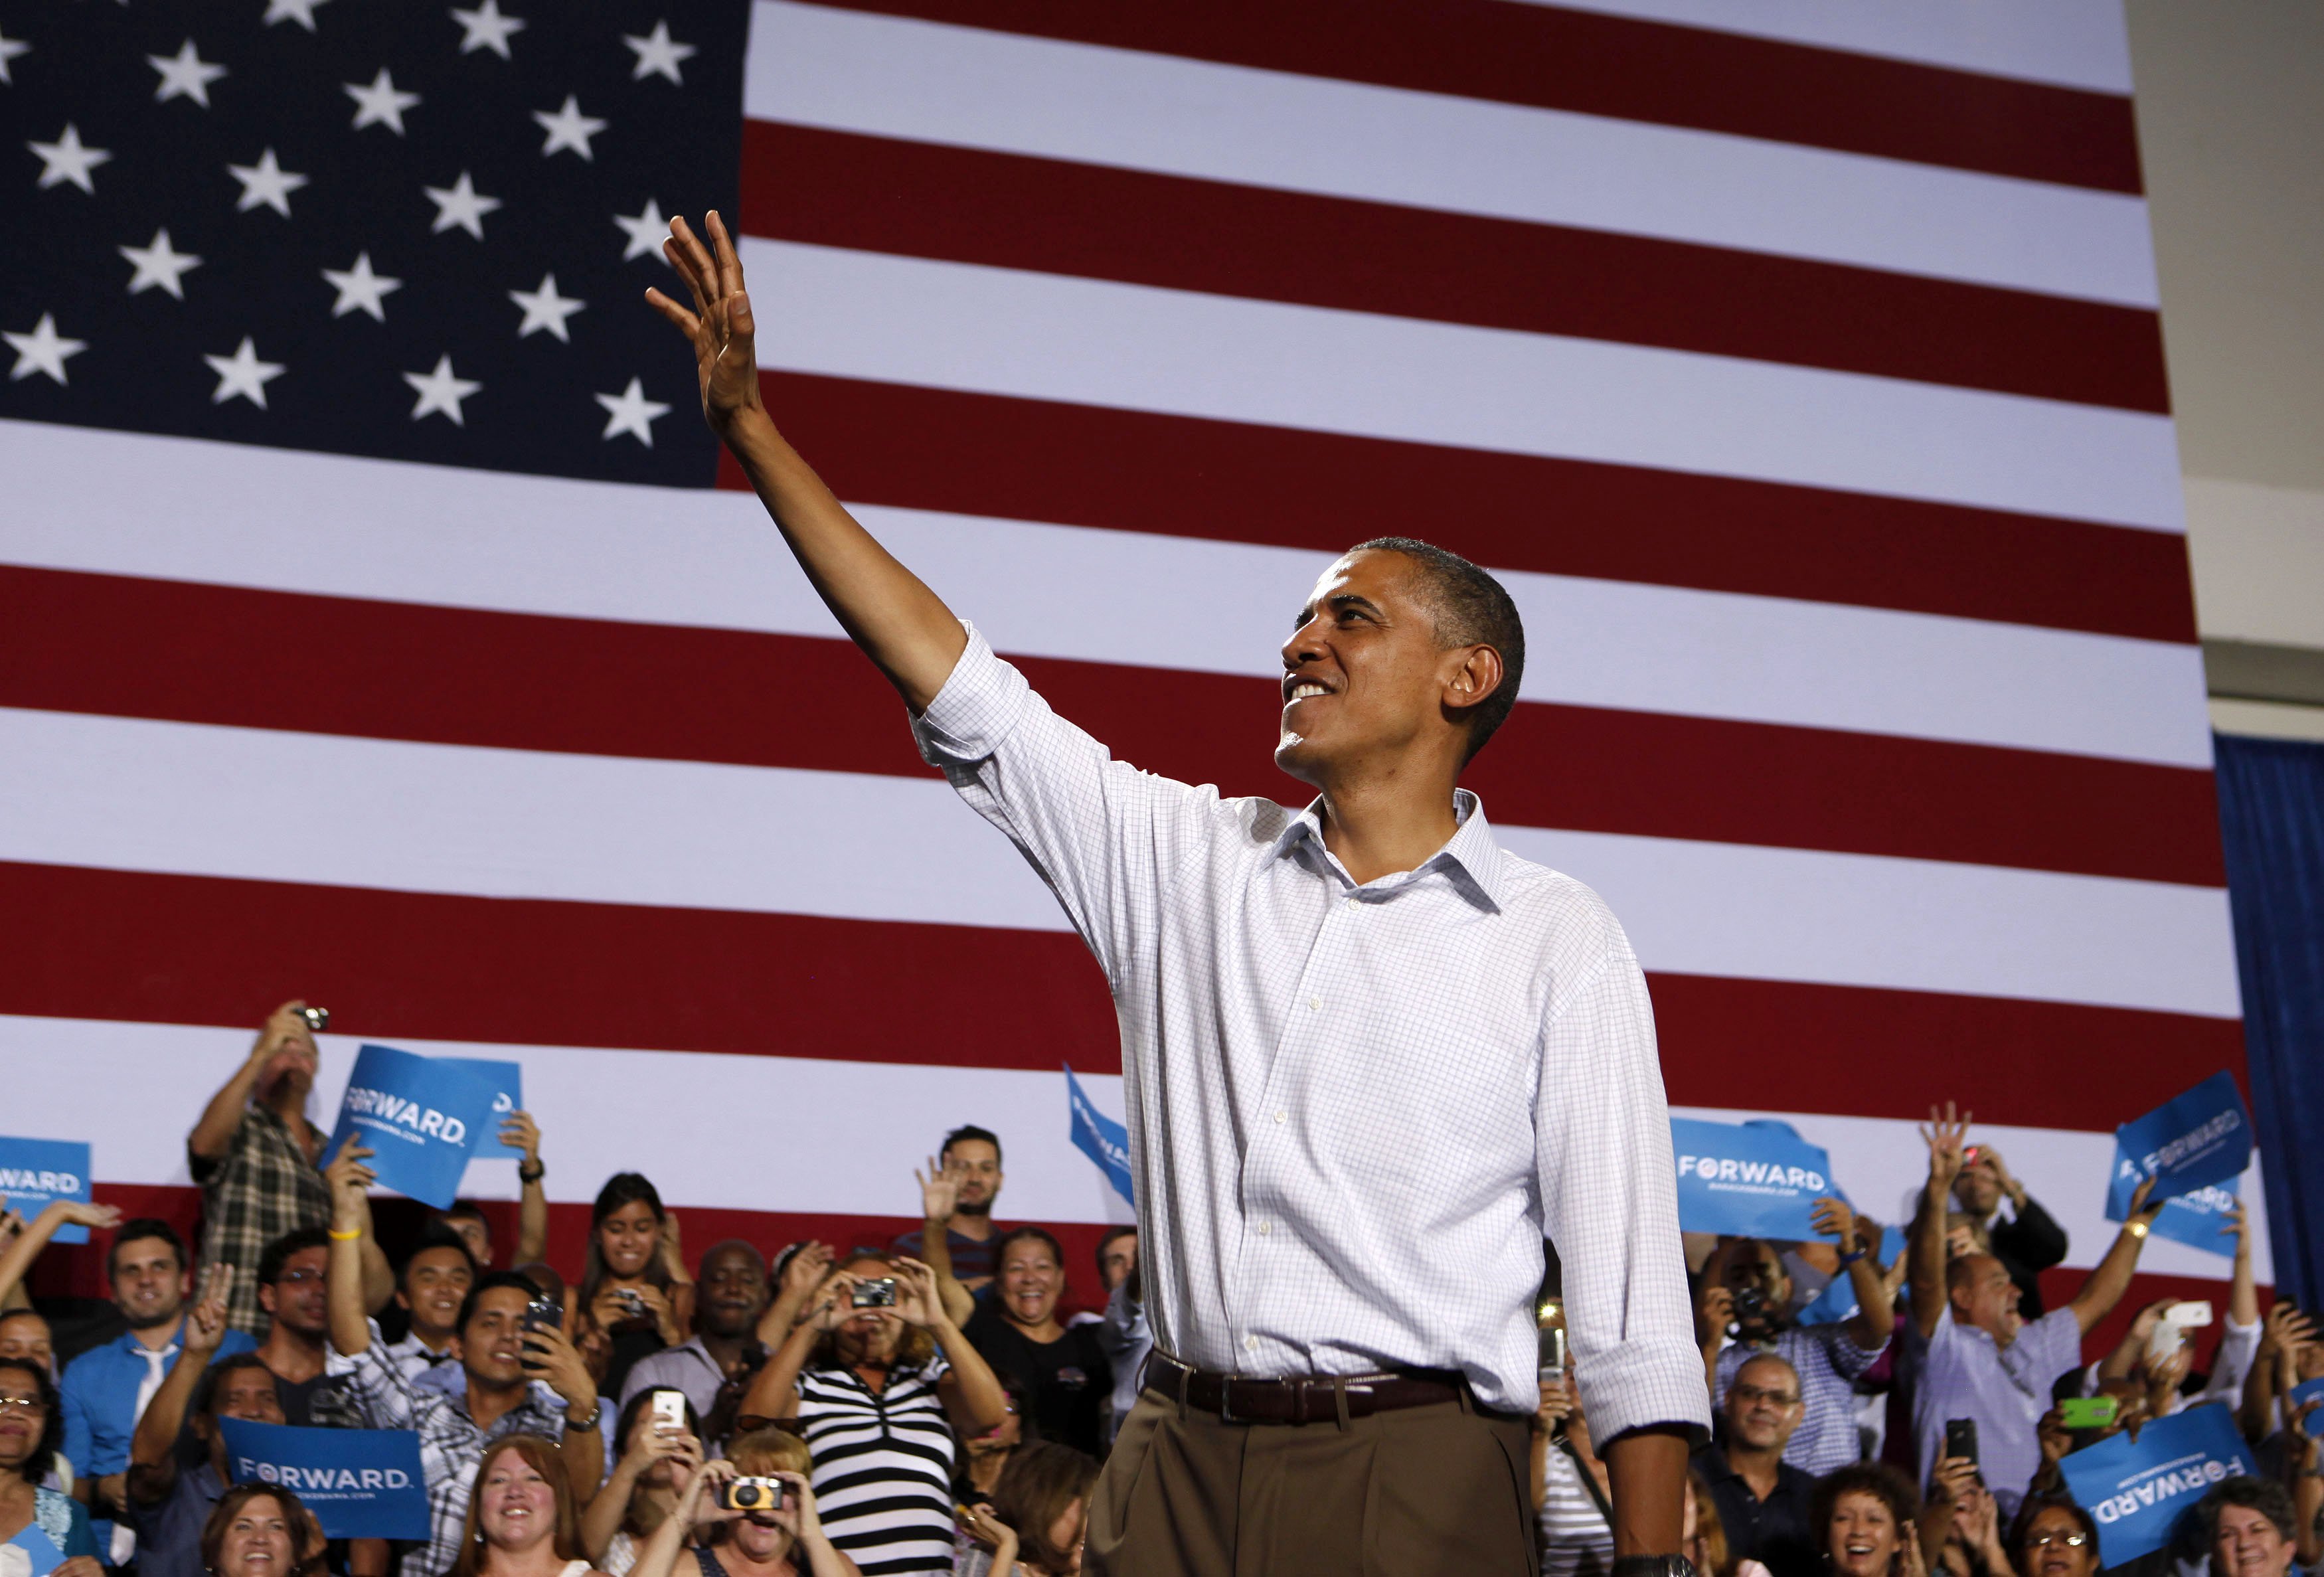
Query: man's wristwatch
586	1424
1653	1566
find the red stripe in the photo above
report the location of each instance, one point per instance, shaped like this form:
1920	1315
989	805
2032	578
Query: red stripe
1189	476
834	189
85	944
1617	67
329	665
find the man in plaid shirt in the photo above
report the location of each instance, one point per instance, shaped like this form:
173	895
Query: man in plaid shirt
498	1395
256	1154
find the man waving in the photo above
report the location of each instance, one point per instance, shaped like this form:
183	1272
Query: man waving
1370	1060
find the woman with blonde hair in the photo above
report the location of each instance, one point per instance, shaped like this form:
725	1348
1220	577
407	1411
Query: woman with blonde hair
261	1530
782	1541
521	1521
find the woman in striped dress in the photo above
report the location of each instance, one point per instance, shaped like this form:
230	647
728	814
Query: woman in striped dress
877	1390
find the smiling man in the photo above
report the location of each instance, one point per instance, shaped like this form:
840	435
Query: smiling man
1370	1060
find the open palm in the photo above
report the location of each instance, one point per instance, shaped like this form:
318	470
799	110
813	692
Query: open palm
720	324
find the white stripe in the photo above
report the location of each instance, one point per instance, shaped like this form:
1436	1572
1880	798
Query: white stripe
131	794
1139	347
932	82
279	520
2068	43
694	1143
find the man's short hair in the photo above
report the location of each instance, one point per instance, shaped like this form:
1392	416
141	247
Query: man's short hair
1113	1235
277	1254
970	1130
205	1389
1789	1366
137	1230
436	1235
1471	608
493	1281
464	1210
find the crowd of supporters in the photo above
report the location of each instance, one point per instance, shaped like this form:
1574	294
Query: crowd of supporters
1889	1400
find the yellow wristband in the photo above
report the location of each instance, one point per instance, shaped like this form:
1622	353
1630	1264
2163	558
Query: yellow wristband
340	1237
2136	1229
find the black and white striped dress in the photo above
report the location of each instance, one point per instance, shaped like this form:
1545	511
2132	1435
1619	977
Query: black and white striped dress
883	1467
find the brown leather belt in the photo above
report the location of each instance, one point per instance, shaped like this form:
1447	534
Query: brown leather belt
1303	1399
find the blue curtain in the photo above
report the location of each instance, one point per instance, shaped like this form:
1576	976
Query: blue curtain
2272	820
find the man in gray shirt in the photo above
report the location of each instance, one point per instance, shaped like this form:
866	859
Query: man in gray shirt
1984	1362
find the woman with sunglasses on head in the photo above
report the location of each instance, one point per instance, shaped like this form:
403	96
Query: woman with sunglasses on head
261	1530
786	1540
51	1528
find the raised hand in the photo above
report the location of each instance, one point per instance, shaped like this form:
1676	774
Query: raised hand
349	1180
916	1294
519	1132
1834	1219
725	359
1947	1137
206	1320
83	1213
2142	1212
939	1192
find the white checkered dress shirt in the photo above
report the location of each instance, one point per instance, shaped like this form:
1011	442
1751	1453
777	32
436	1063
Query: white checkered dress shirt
1354	1112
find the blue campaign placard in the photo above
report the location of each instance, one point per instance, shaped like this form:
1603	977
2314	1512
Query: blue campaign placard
421	1117
2197	1219
1748	1179
1099	1137
2189	1142
2308	1391
359	1484
2136	1490
35	1171
508	1095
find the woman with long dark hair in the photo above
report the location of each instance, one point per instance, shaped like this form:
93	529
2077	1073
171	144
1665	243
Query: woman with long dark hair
51	1528
521	1521
261	1530
641	1493
634	1289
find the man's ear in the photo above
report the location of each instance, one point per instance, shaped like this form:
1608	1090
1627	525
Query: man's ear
266	1296
452	1349
1476	675
401	1302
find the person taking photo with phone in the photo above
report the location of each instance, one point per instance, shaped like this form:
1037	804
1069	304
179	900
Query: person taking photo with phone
516	1378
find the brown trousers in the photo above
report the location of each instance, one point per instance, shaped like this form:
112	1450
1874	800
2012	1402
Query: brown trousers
1406	1493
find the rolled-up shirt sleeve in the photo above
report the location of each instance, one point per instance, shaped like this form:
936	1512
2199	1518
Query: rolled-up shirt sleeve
1610	1203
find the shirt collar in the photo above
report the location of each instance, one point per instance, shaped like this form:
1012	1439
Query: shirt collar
1471	859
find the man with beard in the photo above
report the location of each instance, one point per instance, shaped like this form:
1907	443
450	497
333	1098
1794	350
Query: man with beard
734	1320
257	1159
297	1349
106	1389
958	1200
515	1379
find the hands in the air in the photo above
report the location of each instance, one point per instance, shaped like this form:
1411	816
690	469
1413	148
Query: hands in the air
720	324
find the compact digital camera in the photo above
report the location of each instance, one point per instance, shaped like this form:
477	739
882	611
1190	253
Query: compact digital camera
879	1293
751	1495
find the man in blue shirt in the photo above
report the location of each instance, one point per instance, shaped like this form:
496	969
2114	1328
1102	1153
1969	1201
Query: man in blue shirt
106	1387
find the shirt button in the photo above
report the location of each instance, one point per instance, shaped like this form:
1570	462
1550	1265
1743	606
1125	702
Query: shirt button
1314	1004
1355	903
1265	1228
1250	1344
1278	1117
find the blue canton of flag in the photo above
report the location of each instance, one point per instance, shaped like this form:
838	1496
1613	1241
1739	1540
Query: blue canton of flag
415	232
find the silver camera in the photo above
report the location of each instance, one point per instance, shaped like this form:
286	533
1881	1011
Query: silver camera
317	1019
879	1293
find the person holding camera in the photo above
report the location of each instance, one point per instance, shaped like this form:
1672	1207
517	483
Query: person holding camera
754	1514
1986	1372
634	1288
258	1162
1746	1296
879	1377
519	1376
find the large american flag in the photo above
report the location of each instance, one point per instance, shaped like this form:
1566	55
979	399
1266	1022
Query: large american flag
402	645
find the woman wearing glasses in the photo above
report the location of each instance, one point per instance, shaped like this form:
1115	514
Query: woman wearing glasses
2054	1537
51	1529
